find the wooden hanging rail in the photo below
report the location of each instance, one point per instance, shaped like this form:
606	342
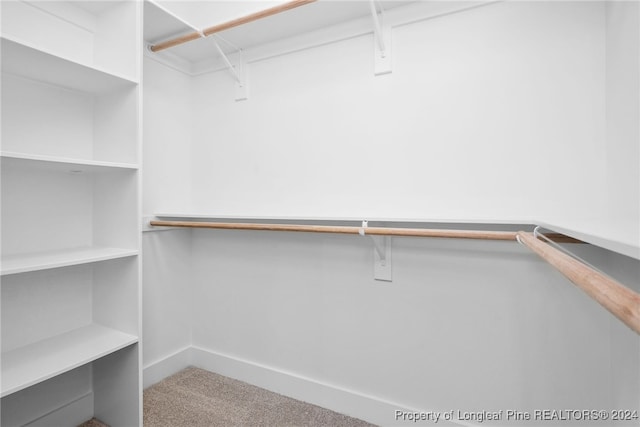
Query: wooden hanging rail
621	301
369	231
230	24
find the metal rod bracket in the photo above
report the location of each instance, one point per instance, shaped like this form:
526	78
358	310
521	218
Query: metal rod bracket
382	258
242	84
238	71
381	254
382	41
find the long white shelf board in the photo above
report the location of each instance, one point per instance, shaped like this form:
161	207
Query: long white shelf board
161	24
32	364
204	215
62	164
619	237
26	61
622	237
13	264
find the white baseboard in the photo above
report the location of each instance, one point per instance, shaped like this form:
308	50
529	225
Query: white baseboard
349	402
167	366
73	414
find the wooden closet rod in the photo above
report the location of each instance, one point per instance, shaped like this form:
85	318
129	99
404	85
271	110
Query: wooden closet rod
230	24
621	301
371	231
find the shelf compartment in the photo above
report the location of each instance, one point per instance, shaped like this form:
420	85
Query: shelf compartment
35	363
15	264
25	61
63	164
42	119
88	35
52	211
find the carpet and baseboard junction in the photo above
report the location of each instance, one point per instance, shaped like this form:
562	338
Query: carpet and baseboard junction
195	397
93	422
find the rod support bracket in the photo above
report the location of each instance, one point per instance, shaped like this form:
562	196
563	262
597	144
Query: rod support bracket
382	258
242	83
381	254
381	42
238	71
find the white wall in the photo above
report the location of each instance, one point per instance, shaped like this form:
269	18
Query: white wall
623	110
482	117
623	173
167	301
166	182
167	138
463	325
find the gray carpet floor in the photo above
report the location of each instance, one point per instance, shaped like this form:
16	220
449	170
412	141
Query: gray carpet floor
93	422
198	398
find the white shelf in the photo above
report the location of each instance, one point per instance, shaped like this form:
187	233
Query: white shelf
23	60
160	23
621	237
63	258
45	359
203	215
53	163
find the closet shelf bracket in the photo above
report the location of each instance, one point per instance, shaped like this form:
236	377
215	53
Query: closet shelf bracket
381	254
238	71
381	42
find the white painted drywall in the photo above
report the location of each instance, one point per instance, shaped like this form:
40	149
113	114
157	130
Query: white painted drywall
623	115
167	294
464	325
166	182
167	138
482	117
623	174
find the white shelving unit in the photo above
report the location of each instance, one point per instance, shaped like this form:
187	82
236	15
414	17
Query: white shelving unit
63	258
30	62
70	212
60	163
45	359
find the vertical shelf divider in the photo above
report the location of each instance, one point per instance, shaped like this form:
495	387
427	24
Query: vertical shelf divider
71	228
